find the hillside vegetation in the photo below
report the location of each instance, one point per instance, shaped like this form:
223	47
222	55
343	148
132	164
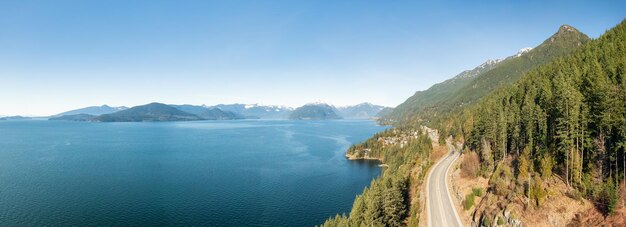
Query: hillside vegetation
566	118
554	114
470	86
386	202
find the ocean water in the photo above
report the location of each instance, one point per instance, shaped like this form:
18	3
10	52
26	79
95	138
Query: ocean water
205	173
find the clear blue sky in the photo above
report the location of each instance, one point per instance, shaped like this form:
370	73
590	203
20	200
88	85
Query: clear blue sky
59	55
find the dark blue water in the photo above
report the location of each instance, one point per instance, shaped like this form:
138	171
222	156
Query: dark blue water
209	173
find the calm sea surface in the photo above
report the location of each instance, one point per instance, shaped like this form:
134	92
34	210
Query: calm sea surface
207	173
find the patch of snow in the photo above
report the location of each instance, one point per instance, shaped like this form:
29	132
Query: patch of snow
523	51
318	102
489	62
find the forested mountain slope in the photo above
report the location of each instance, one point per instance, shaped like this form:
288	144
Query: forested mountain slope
462	90
559	114
439	92
567	117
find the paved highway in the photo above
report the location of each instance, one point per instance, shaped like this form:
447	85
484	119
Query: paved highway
440	209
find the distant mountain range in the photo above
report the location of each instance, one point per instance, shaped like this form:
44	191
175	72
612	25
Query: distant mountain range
93	110
74	117
14	118
315	111
218	114
164	112
361	111
209	113
257	111
149	112
384	112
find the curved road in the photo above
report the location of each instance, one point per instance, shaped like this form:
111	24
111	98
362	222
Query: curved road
441	210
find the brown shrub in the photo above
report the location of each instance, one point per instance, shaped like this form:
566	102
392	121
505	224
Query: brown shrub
470	166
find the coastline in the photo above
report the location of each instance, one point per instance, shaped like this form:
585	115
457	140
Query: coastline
352	158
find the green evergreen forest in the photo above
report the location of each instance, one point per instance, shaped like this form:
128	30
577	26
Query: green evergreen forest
386	201
566	118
